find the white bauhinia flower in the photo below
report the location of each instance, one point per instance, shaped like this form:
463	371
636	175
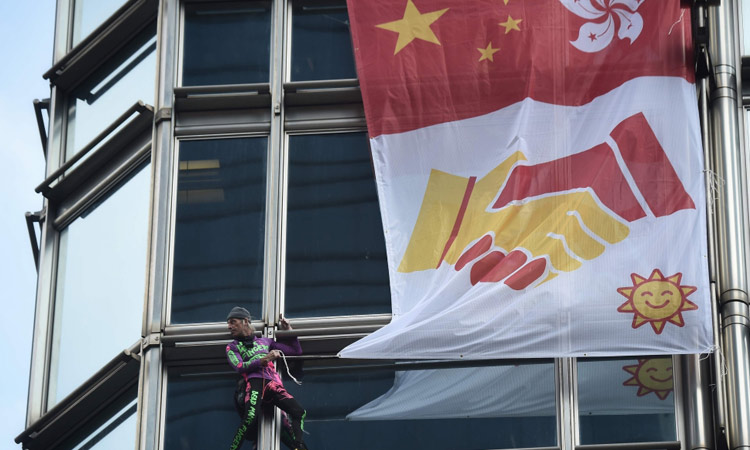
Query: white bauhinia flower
594	36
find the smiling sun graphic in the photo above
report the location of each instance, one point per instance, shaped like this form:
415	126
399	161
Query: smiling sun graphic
651	375
657	300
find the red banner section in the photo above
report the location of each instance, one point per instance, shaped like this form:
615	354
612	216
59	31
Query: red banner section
424	62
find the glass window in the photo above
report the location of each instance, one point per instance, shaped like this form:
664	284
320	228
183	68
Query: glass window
335	251
126	78
226	43
321	41
220	229
626	400
455	408
101	282
200	412
745	27
113	428
89	14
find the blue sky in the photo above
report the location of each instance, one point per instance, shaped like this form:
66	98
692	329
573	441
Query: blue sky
26	33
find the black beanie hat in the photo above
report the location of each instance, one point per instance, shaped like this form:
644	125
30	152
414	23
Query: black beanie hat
238	312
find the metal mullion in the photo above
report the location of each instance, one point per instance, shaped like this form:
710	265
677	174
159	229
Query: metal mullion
152	379
566	403
275	201
39	372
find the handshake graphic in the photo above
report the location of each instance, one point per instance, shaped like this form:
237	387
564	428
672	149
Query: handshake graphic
521	222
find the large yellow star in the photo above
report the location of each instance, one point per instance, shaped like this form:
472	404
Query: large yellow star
414	25
488	52
511	24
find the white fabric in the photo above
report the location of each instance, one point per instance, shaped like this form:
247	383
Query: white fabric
438	314
509	391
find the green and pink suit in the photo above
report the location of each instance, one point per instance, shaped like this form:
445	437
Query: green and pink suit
264	387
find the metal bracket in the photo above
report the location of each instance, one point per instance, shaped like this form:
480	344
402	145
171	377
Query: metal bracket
152	340
31	218
162	114
40	105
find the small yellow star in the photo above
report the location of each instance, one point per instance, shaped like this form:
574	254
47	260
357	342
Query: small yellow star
414	25
505	1
511	24
488	52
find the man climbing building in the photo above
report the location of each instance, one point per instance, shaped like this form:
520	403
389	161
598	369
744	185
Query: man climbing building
253	358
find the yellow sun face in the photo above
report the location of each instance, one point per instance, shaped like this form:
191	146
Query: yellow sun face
657	300
651	375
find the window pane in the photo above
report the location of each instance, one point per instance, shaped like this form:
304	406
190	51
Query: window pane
89	14
321	41
626	400
745	24
457	408
219	233
200	412
335	251
113	428
126	78
226	43
100	285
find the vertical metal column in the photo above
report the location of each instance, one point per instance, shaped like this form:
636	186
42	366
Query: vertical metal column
45	292
696	402
731	225
151	382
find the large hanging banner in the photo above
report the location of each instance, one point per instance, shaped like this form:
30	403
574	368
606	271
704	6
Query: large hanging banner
540	177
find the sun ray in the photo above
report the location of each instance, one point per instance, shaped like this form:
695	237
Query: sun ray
676	278
687	290
637	279
658	325
638	321
656	275
627	292
677	320
687	305
643	390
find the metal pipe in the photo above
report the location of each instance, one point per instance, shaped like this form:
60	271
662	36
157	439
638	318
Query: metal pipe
731	224
697	402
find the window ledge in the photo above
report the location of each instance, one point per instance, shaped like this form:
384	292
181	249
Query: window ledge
102	43
83	404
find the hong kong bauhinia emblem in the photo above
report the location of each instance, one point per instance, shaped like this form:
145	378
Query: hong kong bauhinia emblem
605	16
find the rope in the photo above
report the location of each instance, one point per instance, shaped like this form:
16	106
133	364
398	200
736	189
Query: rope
283	356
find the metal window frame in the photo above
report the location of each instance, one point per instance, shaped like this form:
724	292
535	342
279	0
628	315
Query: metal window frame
93	51
85	403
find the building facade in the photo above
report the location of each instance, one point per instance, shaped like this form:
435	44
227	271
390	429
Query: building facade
207	154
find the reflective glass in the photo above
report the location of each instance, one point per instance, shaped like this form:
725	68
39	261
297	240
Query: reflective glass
200	412
745	25
101	282
89	14
391	407
219	232
321	41
112	428
402	407
335	251
226	43
104	96
626	400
